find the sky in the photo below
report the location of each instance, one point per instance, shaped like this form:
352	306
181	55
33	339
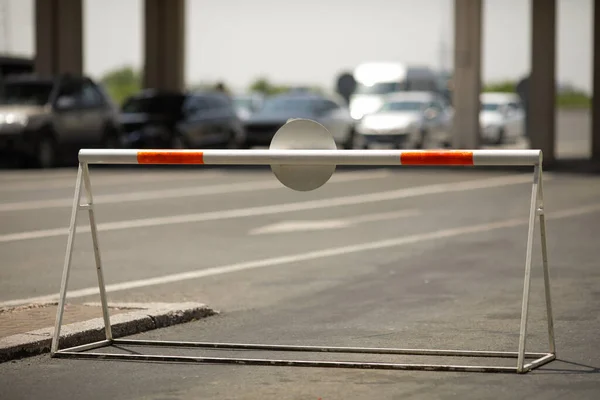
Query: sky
311	41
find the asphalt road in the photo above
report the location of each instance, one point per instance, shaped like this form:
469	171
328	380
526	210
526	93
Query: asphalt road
417	258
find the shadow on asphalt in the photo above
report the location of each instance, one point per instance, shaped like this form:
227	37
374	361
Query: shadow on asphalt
570	369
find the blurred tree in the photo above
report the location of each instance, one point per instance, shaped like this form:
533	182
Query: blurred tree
565	97
122	83
262	85
504	87
201	86
222	87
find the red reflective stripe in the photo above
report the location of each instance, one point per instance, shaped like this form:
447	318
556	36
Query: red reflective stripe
442	157
169	157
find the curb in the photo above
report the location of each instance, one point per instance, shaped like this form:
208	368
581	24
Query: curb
146	317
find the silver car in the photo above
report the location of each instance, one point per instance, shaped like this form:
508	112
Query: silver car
408	120
502	118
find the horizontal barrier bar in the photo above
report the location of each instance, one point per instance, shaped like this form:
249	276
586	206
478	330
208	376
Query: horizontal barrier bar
313	157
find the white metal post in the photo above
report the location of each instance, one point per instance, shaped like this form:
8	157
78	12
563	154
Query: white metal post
549	314
527	281
67	263
94	231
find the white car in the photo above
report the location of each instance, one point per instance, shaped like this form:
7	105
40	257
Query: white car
502	118
408	120
376	80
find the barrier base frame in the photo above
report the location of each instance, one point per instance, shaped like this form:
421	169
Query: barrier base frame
85	351
82	352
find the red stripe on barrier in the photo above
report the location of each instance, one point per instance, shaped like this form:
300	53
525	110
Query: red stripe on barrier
443	157
169	157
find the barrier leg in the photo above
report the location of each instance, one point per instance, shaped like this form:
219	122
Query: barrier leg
549	314
67	264
94	231
533	212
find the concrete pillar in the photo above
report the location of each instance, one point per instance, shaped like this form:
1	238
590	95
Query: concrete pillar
164	44
467	73
596	85
542	82
58	37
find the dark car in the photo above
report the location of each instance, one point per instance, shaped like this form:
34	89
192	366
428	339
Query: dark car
170	119
46	121
329	111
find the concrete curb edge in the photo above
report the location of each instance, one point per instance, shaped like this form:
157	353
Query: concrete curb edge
144	317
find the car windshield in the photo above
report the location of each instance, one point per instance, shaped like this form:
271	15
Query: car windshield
153	105
25	93
379	88
490	106
288	104
244	102
402	106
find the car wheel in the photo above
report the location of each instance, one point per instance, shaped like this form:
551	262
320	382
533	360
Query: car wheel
500	138
178	142
111	140
234	142
350	142
422	141
46	152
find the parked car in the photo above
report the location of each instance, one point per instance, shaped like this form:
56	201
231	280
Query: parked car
46	121
329	111
376	80
171	119
502	118
408	120
247	104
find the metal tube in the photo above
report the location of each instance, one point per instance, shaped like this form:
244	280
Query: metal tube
326	349
67	263
527	280
89	346
507	157
312	157
287	363
94	231
538	363
549	314
108	156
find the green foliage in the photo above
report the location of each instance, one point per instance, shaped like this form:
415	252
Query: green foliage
202	86
262	85
564	99
573	99
503	87
122	83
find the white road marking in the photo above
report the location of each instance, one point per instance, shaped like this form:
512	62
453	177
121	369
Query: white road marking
280	208
323	224
312	255
222	188
11	176
105	179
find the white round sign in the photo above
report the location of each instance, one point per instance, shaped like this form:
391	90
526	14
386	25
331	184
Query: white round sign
307	135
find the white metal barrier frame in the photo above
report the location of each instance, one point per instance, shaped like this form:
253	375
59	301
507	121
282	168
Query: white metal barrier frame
300	157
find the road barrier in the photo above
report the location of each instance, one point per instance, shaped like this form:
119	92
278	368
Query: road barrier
303	157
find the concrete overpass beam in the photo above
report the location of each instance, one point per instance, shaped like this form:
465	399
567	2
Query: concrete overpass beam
542	83
467	72
59	37
164	44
